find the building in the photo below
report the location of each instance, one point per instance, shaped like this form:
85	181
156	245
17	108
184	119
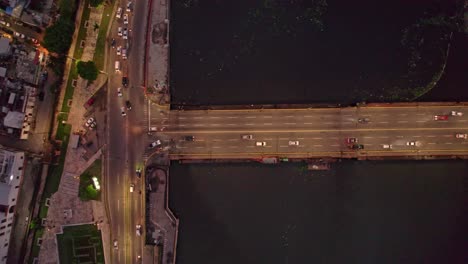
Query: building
5	48
11	175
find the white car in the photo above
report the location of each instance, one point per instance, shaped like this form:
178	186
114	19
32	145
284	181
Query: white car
119	31
125	19
119	13
119	92
91	123
260	143
122	110
124	54
463	136
387	146
119	50
116	244
293	143
125	33
129	6
132	187
411	143
456	113
138	230
155	144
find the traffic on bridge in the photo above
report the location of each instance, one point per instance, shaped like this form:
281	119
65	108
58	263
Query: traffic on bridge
350	132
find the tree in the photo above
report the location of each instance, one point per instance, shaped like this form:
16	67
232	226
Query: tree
95	3
58	37
87	70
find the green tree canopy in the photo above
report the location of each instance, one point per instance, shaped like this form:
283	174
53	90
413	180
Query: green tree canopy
58	37
95	3
87	70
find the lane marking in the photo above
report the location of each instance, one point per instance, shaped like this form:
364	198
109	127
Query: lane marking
267	124
402	121
308	123
318	145
421	121
215	117
267	116
431	136
417	136
289	123
383	122
233	117
251	117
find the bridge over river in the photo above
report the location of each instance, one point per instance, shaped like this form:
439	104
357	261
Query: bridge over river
384	131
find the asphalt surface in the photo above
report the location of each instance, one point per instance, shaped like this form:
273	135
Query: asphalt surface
320	132
126	137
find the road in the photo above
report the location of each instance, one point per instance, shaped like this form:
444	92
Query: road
126	137
320	132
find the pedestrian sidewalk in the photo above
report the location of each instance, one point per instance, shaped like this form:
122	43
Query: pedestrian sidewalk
66	208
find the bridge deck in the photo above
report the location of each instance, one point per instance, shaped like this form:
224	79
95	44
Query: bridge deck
321	132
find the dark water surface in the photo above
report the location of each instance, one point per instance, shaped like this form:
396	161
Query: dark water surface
358	212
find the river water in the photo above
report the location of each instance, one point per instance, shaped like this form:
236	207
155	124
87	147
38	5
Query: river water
359	211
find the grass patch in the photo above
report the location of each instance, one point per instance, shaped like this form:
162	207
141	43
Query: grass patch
78	52
87	190
70	89
102	37
80	244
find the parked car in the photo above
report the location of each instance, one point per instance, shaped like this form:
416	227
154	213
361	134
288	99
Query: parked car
463	136
132	187
154	144
351	140
411	143
124	54
456	113
440	117
118	13
91	123
122	111
119	50
293	143
260	143
247	137
119	32
125	18
113	43
119	92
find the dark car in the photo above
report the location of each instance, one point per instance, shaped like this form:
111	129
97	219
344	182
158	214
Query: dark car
138	172
128	105
357	146
113	43
189	138
125	81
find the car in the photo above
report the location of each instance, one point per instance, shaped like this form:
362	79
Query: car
118	13
124	54
138	230
119	32
440	117
356	146
113	43
463	136
456	113
122	111
411	143
125	81
125	33
387	146
363	120
154	144
260	143
119	92
293	143
91	123
138	172
125	18
132	187
119	50
116	244
351	140
128	105
247	137
189	138
129	6
90	102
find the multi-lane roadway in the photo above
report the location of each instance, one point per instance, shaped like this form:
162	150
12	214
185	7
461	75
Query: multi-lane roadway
382	131
126	136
